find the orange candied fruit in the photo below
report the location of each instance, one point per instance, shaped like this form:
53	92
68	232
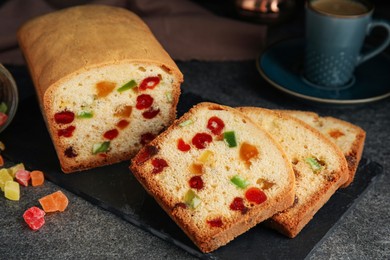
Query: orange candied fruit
37	178
56	201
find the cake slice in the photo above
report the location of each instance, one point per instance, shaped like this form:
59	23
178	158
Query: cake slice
104	83
216	174
348	137
320	167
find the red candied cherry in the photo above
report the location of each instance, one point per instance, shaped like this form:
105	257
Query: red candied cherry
183	146
200	140
145	154
144	101
67	132
255	195
158	165
217	222
150	113
111	134
196	182
238	205
122	124
147	138
64	117
150	82
216	125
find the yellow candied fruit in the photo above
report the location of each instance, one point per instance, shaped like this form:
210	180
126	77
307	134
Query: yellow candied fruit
12	170
4	177
12	190
207	157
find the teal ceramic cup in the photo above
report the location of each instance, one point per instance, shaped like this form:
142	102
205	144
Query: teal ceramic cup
335	32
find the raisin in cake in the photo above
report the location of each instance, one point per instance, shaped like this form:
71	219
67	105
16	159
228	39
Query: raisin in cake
105	85
320	167
348	137
216	173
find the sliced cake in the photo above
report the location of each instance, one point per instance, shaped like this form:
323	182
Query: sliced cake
216	173
348	137
104	83
320	167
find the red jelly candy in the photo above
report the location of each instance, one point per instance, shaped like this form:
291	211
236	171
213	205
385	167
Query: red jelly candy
22	176
196	182
67	132
217	222
149	82
255	195
111	134
158	165
34	217
183	146
238	204
150	113
200	140
180	205
216	125
147	138
144	101
64	117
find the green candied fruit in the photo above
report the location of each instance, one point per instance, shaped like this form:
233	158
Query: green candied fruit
129	85
3	107
191	199
230	138
186	123
100	147
239	181
169	97
85	114
314	164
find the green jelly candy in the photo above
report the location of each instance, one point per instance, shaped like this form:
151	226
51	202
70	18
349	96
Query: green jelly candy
100	147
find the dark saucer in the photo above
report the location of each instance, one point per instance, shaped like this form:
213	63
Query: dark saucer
281	65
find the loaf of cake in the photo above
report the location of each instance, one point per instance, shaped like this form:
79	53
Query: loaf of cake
319	165
216	174
105	85
348	137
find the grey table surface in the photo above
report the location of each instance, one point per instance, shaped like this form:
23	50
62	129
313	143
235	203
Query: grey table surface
86	231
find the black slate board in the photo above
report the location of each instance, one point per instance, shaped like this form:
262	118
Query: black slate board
115	189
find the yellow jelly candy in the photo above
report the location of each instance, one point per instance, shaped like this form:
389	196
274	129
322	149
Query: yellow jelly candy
12	170
12	190
4	177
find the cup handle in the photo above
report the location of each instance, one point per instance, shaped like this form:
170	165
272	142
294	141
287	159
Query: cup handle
366	56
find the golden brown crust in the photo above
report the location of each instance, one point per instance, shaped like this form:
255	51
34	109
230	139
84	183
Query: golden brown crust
61	45
210	239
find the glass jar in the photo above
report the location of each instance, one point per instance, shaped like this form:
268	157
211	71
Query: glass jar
9	98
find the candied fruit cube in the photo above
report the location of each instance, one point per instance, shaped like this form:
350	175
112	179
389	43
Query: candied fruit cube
12	190
37	178
61	200
4	177
34	217
56	201
15	168
22	176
